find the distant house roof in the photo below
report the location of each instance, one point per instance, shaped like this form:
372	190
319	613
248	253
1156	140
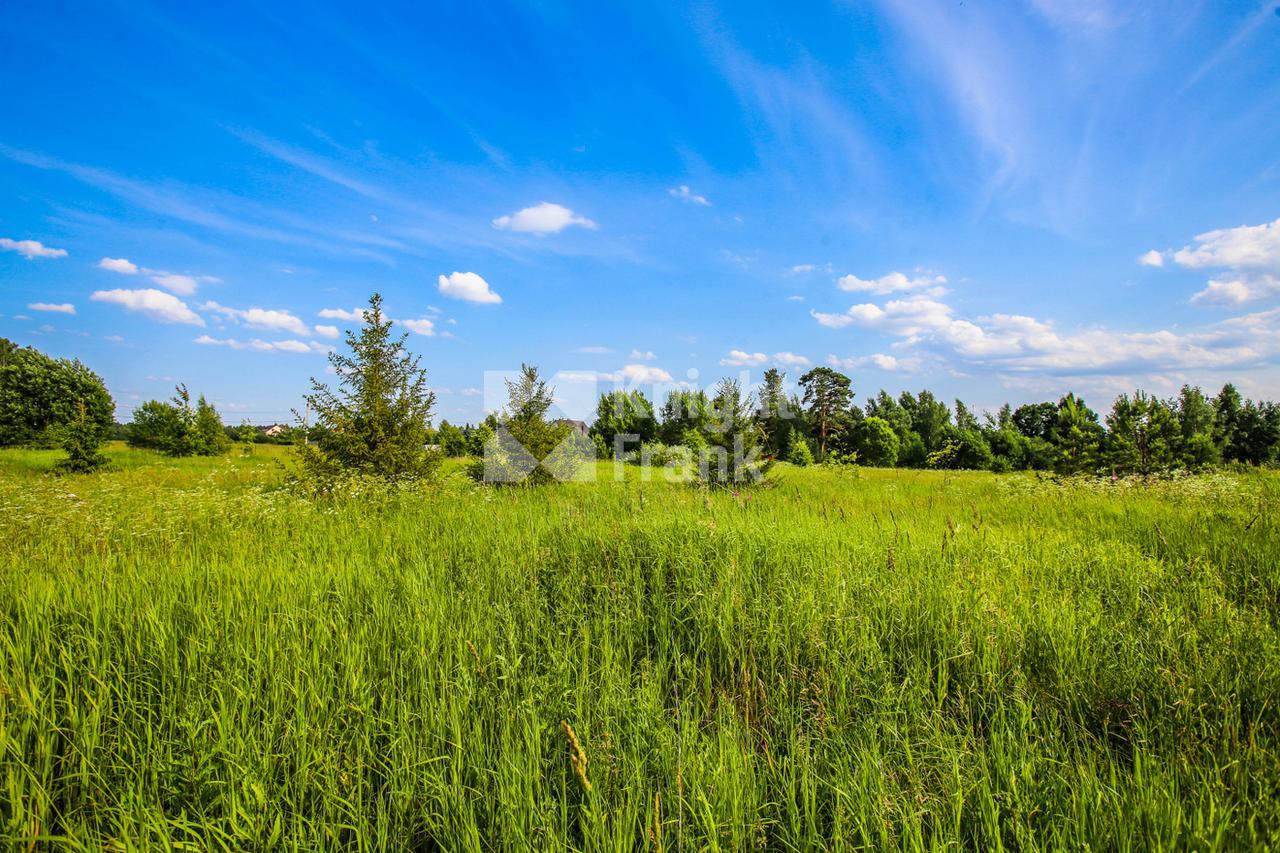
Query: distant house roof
274	429
580	426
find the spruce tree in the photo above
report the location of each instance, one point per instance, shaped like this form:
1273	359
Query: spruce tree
377	421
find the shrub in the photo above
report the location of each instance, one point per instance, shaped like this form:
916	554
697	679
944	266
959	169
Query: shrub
82	440
877	443
798	452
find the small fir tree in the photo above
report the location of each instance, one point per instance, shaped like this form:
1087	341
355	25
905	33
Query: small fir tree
82	440
377	421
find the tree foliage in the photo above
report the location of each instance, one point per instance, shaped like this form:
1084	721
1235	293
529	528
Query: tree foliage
41	396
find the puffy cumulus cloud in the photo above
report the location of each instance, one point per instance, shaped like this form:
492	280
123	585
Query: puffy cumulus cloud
542	218
1015	343
594	350
790	359
182	284
1249	256
56	308
355	315
267	319
739	358
152	303
879	360
642	355
469	287
1246	247
327	331
683	193
265	346
124	266
420	326
1152	258
894	282
634	373
31	249
1238	290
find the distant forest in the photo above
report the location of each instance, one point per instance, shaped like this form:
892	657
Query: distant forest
1141	433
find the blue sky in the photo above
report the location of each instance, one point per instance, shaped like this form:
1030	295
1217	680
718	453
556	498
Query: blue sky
997	201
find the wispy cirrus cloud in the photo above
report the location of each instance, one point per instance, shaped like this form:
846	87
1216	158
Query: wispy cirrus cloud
683	193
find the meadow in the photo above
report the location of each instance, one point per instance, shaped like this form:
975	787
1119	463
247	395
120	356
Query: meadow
192	655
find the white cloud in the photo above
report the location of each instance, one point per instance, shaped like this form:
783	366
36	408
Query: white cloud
265	346
121	265
182	284
31	249
355	315
790	359
795	298
683	193
421	326
831	321
155	304
471	392
801	269
894	282
115	339
58	308
879	359
641	373
738	358
268	319
327	331
1249	256
1021	344
642	355
1236	291
593	350
542	218
1246	247
630	375
468	286
580	376
1152	258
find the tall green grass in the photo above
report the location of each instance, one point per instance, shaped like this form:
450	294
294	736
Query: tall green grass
875	659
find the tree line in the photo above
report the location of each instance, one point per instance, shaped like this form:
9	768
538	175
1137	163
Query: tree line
378	420
1141	433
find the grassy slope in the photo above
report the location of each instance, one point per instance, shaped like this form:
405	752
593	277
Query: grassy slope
881	658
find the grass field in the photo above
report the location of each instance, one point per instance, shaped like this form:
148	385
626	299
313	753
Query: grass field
838	659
